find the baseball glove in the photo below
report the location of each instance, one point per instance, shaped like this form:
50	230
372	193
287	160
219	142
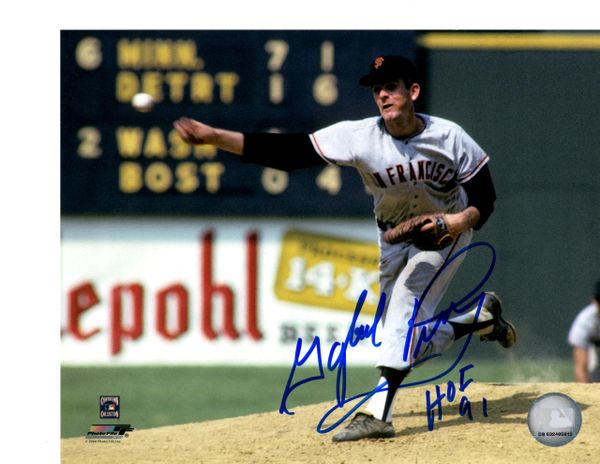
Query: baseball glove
411	231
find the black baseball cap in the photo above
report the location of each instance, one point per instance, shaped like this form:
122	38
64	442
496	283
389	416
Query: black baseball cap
388	68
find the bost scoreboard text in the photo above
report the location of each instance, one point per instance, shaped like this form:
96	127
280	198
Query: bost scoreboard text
117	160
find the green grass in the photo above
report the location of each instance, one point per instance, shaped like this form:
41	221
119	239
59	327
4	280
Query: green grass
160	395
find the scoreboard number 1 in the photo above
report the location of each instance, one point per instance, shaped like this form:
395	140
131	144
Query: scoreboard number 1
325	90
278	49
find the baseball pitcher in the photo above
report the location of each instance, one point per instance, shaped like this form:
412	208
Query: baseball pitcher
431	188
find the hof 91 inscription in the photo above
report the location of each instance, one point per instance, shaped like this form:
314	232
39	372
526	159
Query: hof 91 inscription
115	159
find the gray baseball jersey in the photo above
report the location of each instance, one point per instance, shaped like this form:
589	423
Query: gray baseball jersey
585	333
417	175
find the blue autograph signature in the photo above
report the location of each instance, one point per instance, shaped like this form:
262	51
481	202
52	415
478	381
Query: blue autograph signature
425	330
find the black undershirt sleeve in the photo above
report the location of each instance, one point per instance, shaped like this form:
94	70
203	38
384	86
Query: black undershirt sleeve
285	152
481	193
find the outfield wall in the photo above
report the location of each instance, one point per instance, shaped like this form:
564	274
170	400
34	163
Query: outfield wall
196	291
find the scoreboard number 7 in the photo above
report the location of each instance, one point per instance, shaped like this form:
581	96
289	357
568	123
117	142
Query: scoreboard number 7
278	49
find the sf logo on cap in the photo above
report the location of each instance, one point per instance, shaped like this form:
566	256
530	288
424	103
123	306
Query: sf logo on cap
378	62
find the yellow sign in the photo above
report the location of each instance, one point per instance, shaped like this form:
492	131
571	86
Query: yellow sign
327	271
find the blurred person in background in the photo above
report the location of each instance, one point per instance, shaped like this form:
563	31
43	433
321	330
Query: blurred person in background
584	337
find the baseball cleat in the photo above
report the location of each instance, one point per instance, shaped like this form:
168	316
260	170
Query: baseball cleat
365	426
504	331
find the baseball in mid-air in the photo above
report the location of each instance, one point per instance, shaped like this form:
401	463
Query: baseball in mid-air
142	102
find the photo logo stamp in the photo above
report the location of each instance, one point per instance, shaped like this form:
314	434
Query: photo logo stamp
108	433
554	419
110	407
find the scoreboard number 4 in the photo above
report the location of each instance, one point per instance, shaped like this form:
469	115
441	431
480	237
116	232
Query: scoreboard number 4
330	180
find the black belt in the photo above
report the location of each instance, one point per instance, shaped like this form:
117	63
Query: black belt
384	225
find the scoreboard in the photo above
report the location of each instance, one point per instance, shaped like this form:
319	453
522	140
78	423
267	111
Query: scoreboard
117	160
